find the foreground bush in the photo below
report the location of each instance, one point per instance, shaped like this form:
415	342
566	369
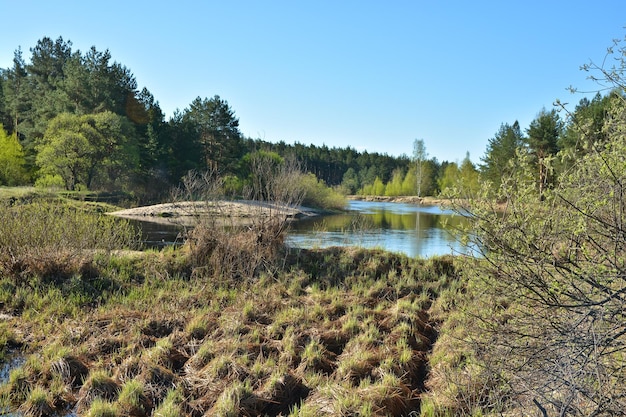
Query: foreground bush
544	317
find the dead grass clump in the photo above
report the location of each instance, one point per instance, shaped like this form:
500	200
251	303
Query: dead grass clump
392	397
323	402
209	383
317	359
129	369
157	381
334	340
170	406
204	355
263	349
281	394
37	404
233	255
165	354
104	346
412	325
200	325
102	408
225	368
159	328
71	370
232	401
17	388
132	400
356	364
98	385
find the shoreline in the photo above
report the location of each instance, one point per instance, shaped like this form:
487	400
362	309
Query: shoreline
426	201
186	213
241	212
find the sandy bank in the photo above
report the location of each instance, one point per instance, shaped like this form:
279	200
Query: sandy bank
187	212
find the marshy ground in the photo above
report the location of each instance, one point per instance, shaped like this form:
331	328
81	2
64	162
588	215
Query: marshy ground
226	325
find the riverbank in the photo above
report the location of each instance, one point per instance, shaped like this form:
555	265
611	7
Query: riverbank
426	201
186	213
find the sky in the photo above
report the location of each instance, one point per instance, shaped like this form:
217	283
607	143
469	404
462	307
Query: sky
372	75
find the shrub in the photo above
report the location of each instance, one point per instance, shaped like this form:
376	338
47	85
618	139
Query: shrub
50	181
318	194
47	239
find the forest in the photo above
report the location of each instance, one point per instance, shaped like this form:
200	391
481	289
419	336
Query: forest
78	120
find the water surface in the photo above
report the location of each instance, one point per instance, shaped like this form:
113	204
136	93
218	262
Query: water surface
412	229
407	228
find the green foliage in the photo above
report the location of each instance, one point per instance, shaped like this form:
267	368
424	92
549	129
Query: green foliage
542	140
409	183
500	154
549	292
378	188
53	181
89	149
216	132
450	178
394	187
153	155
319	195
12	160
460	182
350	181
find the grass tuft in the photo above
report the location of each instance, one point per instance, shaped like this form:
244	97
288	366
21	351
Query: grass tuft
99	385
37	404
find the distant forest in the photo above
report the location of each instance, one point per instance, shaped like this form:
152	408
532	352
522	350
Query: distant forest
78	120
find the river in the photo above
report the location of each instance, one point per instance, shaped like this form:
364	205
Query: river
412	229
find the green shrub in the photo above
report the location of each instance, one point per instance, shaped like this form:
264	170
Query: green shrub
318	194
50	181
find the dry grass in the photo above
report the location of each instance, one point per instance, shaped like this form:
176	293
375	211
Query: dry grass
335	331
98	385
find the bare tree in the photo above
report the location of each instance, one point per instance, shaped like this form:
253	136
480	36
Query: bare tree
419	156
232	249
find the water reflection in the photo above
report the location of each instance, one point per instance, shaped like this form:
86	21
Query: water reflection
408	228
398	227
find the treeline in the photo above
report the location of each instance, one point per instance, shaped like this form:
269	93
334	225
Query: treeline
78	120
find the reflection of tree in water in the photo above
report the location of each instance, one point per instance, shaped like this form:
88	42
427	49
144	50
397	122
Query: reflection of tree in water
421	232
404	221
387	220
361	223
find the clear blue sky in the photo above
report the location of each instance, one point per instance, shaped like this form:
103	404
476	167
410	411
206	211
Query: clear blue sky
373	75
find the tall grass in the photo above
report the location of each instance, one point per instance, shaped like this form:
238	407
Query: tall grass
48	238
